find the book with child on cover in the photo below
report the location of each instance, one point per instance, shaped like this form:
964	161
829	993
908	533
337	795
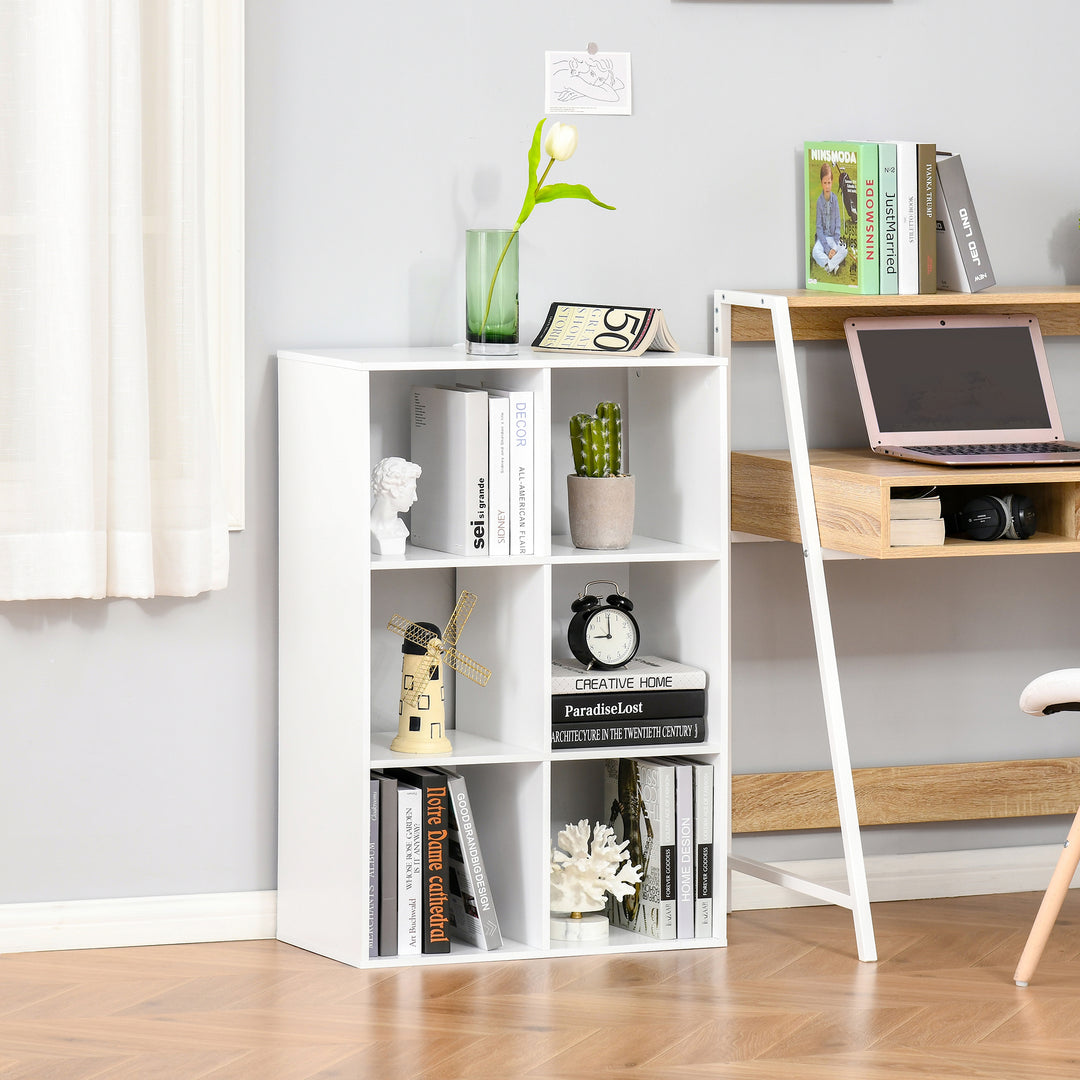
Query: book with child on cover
842	216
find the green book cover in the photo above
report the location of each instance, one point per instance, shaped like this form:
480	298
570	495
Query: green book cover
842	216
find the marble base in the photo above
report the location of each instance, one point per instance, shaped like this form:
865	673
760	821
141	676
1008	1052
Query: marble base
587	928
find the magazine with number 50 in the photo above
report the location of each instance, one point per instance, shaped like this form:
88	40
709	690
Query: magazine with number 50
604	328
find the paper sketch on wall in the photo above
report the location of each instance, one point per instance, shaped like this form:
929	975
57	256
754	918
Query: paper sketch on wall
587	82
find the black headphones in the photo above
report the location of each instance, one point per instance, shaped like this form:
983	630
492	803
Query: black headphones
993	517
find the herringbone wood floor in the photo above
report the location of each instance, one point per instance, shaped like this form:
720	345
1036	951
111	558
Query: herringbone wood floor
786	999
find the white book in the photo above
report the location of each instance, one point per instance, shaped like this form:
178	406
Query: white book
703	849
498	475
571	676
922	506
498	472
449	442
684	849
522	470
907	199
373	867
410	870
916	532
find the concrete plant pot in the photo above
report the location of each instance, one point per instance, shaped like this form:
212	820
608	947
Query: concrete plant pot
601	511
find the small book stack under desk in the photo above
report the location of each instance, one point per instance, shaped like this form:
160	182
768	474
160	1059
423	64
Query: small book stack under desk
852	490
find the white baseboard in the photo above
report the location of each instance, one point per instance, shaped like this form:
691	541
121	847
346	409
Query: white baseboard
912	877
150	920
173	920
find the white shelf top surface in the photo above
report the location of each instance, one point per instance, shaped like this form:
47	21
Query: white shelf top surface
453	357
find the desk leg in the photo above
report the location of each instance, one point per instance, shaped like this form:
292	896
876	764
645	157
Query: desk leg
823	634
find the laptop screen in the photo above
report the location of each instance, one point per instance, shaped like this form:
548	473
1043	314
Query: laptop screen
953	378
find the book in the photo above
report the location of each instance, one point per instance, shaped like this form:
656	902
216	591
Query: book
373	867
963	262
604	328
907	200
684	849
449	431
921	506
926	155
570	676
498	475
703	848
435	813
916	532
498	470
888	194
640	796
522	469
410	869
841	184
585	734
627	705
387	864
473	918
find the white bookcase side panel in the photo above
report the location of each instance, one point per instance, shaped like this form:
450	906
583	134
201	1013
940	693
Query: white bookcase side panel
324	660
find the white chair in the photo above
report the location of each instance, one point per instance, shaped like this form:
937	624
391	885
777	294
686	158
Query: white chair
1056	691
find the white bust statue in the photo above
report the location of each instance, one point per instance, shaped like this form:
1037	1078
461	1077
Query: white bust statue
393	483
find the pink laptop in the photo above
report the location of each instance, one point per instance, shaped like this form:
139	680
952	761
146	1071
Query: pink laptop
958	390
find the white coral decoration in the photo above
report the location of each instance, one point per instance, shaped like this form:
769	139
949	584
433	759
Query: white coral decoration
579	878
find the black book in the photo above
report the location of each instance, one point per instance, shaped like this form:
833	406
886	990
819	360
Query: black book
387	864
435	815
626	705
665	732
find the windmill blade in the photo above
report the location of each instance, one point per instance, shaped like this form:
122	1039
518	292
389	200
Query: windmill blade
420	684
410	631
466	666
460	615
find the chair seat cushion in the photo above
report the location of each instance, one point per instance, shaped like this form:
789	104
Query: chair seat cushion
1056	691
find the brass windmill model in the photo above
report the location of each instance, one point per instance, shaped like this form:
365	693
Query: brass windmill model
421	711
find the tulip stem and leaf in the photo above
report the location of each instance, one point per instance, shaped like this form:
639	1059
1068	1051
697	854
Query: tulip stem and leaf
560	144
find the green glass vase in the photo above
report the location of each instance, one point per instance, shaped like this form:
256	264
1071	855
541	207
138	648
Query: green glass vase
491	292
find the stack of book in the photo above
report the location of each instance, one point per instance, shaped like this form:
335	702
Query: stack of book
476	491
888	218
428	883
651	701
663	808
916	521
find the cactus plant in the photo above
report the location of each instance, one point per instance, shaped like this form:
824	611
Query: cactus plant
597	441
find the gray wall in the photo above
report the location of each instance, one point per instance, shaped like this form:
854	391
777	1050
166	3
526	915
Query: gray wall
138	749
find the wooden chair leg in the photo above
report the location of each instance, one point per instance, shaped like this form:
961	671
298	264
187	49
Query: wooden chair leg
1052	900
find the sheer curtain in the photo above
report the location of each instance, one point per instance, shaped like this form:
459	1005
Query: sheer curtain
110	480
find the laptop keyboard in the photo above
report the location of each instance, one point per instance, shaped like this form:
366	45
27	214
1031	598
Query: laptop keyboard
1001	448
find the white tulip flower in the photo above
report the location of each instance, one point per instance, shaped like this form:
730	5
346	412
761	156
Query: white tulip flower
561	141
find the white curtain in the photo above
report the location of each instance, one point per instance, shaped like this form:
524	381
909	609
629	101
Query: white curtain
110	482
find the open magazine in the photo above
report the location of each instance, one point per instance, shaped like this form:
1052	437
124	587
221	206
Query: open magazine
604	328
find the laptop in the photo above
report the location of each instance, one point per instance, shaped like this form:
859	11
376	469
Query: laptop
958	390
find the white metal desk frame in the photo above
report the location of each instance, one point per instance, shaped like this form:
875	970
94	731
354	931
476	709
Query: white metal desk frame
857	898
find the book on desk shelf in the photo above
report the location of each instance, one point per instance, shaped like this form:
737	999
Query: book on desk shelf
604	329
841	182
924	505
916	532
963	261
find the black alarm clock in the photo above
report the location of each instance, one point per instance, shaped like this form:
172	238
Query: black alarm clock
603	633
